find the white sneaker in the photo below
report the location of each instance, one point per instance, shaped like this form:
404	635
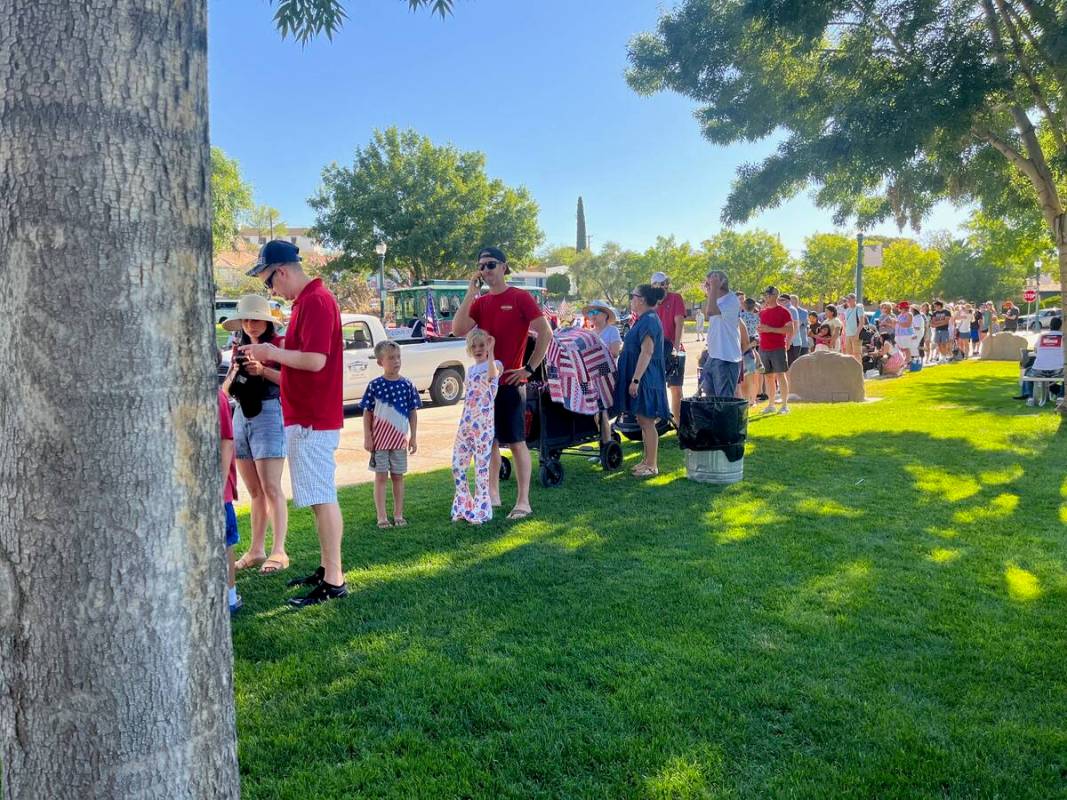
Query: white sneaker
769	409
783	410
1030	402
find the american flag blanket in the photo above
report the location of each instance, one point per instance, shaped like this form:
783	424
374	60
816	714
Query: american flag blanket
580	371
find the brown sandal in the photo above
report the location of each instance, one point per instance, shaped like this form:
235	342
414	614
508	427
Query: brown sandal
274	564
247	562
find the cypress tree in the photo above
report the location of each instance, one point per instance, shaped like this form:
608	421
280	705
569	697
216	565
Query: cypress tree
581	239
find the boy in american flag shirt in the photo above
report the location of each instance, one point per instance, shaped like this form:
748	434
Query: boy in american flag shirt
389	424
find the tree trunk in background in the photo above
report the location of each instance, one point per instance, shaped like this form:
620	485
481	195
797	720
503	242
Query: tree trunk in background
114	636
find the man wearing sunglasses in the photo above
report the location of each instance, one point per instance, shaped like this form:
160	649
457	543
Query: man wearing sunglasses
508	314
312	368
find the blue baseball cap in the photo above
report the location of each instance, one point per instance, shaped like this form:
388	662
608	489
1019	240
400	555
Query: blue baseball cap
276	251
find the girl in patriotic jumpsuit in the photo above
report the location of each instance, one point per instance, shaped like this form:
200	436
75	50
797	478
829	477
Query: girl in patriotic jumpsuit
474	439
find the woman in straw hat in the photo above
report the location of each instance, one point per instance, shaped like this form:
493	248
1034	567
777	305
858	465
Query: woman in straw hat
603	317
259	432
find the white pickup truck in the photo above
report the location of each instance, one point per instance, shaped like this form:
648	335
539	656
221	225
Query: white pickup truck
439	368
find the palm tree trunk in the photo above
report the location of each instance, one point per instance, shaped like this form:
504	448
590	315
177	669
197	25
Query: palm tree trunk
114	639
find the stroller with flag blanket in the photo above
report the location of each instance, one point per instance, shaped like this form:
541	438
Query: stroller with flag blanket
564	405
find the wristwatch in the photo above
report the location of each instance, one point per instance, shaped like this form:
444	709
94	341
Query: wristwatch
636	380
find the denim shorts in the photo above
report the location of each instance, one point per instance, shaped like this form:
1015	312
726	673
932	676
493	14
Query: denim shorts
261	437
232	536
720	378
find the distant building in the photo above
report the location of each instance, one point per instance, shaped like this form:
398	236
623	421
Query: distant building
298	236
531	280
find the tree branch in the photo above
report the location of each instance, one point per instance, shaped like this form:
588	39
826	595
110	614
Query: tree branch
1031	80
882	26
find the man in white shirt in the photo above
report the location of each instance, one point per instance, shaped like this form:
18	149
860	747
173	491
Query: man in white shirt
854	319
1048	358
722	371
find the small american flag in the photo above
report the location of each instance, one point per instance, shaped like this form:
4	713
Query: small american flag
431	316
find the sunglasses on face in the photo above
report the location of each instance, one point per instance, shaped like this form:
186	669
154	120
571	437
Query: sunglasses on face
486	265
269	282
594	311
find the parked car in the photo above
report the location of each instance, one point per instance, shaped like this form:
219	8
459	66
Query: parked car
437	367
1044	317
224	309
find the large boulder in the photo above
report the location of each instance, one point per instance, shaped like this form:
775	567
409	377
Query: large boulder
1002	347
825	377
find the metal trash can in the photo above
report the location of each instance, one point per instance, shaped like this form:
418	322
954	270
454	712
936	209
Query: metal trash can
712	431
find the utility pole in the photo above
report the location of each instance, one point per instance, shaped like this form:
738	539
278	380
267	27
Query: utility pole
859	268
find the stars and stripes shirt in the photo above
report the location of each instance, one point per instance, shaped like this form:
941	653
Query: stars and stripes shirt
391	402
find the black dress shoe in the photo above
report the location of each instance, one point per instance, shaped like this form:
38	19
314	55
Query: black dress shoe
314	579
320	594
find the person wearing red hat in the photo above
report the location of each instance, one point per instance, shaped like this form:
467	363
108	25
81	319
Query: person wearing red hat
905	330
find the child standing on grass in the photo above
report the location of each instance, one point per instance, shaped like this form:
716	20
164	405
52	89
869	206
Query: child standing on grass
390	421
229	494
474	439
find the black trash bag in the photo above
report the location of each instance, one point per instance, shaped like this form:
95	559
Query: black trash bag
713	423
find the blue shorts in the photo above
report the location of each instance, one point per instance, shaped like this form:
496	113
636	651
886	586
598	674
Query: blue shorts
719	378
974	334
261	437
232	537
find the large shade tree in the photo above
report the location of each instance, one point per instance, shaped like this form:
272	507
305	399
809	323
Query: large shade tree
114	639
433	206
753	260
885	106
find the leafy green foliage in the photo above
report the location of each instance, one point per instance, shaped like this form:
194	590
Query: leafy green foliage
610	274
827	268
876	610
433	205
752	260
558	285
267	221
909	271
231	199
306	19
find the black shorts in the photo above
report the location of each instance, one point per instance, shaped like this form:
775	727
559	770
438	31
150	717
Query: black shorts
773	360
795	352
509	414
673	365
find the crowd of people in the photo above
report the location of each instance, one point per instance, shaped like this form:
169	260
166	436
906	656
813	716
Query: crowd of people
287	391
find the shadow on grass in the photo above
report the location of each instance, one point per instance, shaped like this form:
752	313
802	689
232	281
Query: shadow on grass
869	614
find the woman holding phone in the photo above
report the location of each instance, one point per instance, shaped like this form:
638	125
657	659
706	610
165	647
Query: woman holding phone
259	433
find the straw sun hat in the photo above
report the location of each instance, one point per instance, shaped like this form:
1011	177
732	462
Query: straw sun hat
602	305
249	306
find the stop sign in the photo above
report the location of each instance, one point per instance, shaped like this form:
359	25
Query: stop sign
1030	295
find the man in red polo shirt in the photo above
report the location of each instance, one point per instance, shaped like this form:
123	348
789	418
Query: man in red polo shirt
508	315
775	331
671	313
311	371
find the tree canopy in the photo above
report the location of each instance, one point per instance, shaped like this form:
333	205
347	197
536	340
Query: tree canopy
752	259
433	205
231	200
884	106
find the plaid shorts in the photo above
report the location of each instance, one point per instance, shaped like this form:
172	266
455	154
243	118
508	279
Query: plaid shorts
311	465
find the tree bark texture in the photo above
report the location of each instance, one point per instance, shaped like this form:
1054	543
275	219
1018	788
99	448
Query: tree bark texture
114	636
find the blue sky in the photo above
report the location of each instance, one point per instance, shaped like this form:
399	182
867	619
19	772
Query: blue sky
537	85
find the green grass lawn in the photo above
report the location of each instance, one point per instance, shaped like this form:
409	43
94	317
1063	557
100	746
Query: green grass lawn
878	610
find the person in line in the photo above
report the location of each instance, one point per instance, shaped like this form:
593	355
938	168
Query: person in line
509	315
963	317
940	320
311	361
904	331
475	436
699	318
390	430
854	320
1011	316
604	319
229	494
836	327
259	432
671	312
798	345
641	388
887	321
775	329
722	370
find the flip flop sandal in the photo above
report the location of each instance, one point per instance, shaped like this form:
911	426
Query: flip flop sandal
519	513
647	472
273	565
247	562
400	522
385	524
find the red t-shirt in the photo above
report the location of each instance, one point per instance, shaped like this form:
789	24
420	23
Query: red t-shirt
777	317
507	317
229	493
313	399
672	306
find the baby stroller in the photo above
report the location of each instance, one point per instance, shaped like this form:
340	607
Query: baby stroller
562	410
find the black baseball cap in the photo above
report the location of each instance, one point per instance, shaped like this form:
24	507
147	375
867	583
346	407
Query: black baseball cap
493	252
276	251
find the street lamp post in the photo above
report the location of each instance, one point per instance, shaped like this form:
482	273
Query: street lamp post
380	249
859	268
